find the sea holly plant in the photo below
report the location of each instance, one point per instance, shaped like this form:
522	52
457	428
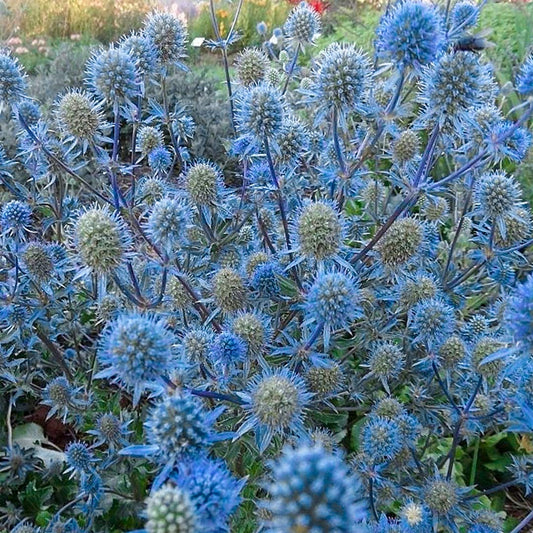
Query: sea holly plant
332	333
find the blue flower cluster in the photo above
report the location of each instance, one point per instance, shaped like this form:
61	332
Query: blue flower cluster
326	334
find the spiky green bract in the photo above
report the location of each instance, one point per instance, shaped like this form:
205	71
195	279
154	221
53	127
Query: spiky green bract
411	34
302	25
276	401
112	75
135	351
213	491
313	490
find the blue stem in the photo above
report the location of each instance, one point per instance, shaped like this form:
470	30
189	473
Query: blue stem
336	141
291	68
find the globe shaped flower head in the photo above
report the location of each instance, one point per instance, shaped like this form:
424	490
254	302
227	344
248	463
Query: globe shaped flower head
203	181
30	111
168	35
302	25
101	239
227	350
142	49
135	351
463	16
524	80
78	115
432	322
260	112
251	66
292	141
313	490
177	426
168	221
266	280
342	76
148	138
319	230
79	458
196	344
15	216
275	403
160	160
112	75
381	439
496	194
170	510
519	313
332	302
410	34
229	290
453	85
253	329
38	262
212	488
12	79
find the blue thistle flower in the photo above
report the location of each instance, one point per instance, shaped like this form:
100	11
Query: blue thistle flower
136	351
79	458
112	75
302	25
110	430
415	517
313	490
515	146
228	349
60	396
195	345
266	279
275	404
30	111
261	28
332	301
143	51
15	216
381	438
496	194
170	509
432	322
524	79
159	160
411	34
260	111
168	221
292	141
168	35
464	15
177	426
213	491
12	79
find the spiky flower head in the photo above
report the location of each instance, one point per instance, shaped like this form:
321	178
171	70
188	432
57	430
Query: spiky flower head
78	115
464	15
484	347
15	216
170	510
406	146
252	329
112	75
386	360
524	80
135	350
203	181
196	344
276	401
265	279
411	34
260	111
58	395
12	79
292	140
142	50
435	209
179	297
342	76
178	425
454	84
168	35
79	458
414	289
152	189
319	230
256	259
228	349
108	307
441	496
452	352
229	290
160	160
101	239
381	438
302	25
30	111
149	138
251	66
168	221
313	490
496	194
389	408
401	242
415	517
213	490
110	430
332	300
324	381
432	321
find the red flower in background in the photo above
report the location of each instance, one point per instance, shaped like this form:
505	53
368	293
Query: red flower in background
318	5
